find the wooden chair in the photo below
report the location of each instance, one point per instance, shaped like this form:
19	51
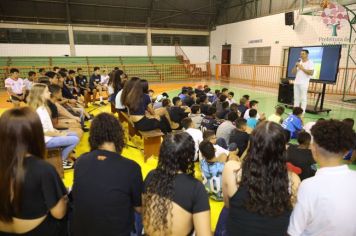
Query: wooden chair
54	157
151	139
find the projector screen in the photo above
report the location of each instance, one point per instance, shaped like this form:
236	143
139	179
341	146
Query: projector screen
325	58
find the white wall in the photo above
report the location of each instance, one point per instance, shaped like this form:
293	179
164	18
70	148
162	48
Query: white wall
110	50
7	49
197	54
163	51
309	30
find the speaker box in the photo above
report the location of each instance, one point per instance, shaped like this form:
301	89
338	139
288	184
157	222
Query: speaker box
289	18
285	93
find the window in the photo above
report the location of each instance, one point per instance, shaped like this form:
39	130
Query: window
182	40
33	36
257	56
109	38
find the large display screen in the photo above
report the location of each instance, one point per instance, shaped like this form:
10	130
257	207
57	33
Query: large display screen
325	58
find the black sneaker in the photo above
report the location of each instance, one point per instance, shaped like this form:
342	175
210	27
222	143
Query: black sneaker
67	165
85	129
103	103
95	104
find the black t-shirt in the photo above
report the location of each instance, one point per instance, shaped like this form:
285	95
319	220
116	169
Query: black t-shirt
242	109
66	92
105	193
41	190
188	101
70	81
94	78
243	222
177	114
209	123
146	100
302	158
53	108
241	139
81	81
204	108
189	193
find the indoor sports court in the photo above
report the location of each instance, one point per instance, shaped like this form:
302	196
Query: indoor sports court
161	117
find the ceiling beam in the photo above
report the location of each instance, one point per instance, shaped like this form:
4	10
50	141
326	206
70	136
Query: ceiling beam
110	6
180	13
69	20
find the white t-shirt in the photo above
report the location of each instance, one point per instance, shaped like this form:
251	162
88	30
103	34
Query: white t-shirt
301	77
15	85
45	120
326	204
247	115
118	104
197	136
28	84
104	79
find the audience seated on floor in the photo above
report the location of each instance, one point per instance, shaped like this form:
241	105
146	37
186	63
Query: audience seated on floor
252	121
178	111
212	167
209	122
32	195
83	87
225	129
196	116
54	138
196	134
302	157
96	86
28	82
71	83
107	187
15	87
230	98
240	137
159	99
294	122
259	192
221	148
63	120
174	202
224	110
277	116
254	105
190	99
242	107
326	201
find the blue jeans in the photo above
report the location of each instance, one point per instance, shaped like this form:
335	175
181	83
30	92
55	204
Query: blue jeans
67	143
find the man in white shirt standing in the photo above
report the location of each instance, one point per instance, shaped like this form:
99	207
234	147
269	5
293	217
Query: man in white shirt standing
303	70
326	202
15	87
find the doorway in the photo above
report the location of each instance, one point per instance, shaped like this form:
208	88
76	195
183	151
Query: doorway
225	60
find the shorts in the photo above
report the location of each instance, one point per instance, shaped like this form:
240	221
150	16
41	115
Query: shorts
13	98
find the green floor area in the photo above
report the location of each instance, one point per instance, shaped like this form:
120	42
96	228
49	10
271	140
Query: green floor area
267	102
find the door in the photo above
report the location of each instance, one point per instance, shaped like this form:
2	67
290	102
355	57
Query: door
225	60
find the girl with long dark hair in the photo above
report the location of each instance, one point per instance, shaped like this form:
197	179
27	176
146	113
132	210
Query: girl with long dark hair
32	195
140	107
260	192
174	202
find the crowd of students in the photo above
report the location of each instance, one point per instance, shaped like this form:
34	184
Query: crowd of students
245	159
